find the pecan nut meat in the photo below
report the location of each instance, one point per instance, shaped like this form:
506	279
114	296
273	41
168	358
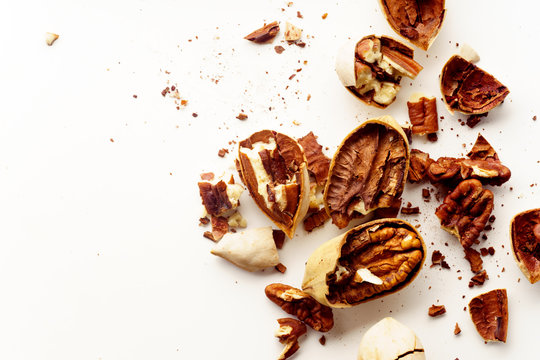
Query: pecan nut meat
302	305
468	89
419	165
390	340
368	171
466	210
489	313
525	235
423	114
418	21
288	333
372	68
274	169
369	261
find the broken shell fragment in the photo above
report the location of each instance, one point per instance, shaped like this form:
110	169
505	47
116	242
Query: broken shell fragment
525	235
292	33
50	38
390	340
368	171
346	270
274	169
252	250
418	21
489	313
468	89
469	54
264	34
372	68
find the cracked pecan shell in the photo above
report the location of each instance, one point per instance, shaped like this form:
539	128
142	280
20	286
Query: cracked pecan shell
468	89
297	302
274	169
418	21
466	210
372	68
368	171
369	261
489	313
525	235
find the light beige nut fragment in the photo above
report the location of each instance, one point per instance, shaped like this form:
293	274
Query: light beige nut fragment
251	250
390	340
469	54
50	38
237	220
292	33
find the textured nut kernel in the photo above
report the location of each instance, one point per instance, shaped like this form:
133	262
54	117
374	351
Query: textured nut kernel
525	234
264	34
420	162
288	333
489	313
390	249
372	68
292	33
302	305
466	210
469	89
416	20
423	114
368	171
251	250
390	340
274	170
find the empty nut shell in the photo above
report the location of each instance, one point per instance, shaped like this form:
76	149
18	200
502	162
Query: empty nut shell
489	313
525	235
468	89
415	20
372	68
368	171
274	169
369	261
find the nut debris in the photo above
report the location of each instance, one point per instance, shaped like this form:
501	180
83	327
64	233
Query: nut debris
489	313
436	310
50	38
264	34
525	234
288	333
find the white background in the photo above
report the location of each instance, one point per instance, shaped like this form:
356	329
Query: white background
101	255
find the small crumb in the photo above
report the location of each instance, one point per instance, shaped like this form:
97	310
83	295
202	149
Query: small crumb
134	96
292	76
281	268
432	137
436	310
204	221
111	140
279	49
50	38
324	16
242	116
534	117
222	152
299	15
457	330
194	114
322	340
309	97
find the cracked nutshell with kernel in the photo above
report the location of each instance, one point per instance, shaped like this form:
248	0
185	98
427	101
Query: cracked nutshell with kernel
372	68
369	261
368	171
468	89
390	340
274	169
418	21
525	235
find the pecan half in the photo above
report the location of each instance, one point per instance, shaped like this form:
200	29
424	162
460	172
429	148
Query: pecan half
369	261
420	162
416	20
390	340
423	114
302	305
466	210
264	34
525	233
274	170
468	89
368	171
288	333
372	68
489	313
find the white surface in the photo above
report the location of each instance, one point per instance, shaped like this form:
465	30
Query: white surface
101	256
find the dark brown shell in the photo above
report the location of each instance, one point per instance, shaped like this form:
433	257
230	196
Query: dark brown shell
489	313
525	235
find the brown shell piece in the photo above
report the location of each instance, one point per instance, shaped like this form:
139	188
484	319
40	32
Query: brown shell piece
368	171
482	150
369	261
302	305
525	234
466	210
489	313
280	165
264	34
468	89
418	21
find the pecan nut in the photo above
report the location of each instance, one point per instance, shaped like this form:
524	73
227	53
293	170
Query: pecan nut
423	114
390	340
420	162
468	89
415	20
489	313
264	34
302	305
368	171
274	169
372	68
466	210
525	234
288	333
367	262
251	250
